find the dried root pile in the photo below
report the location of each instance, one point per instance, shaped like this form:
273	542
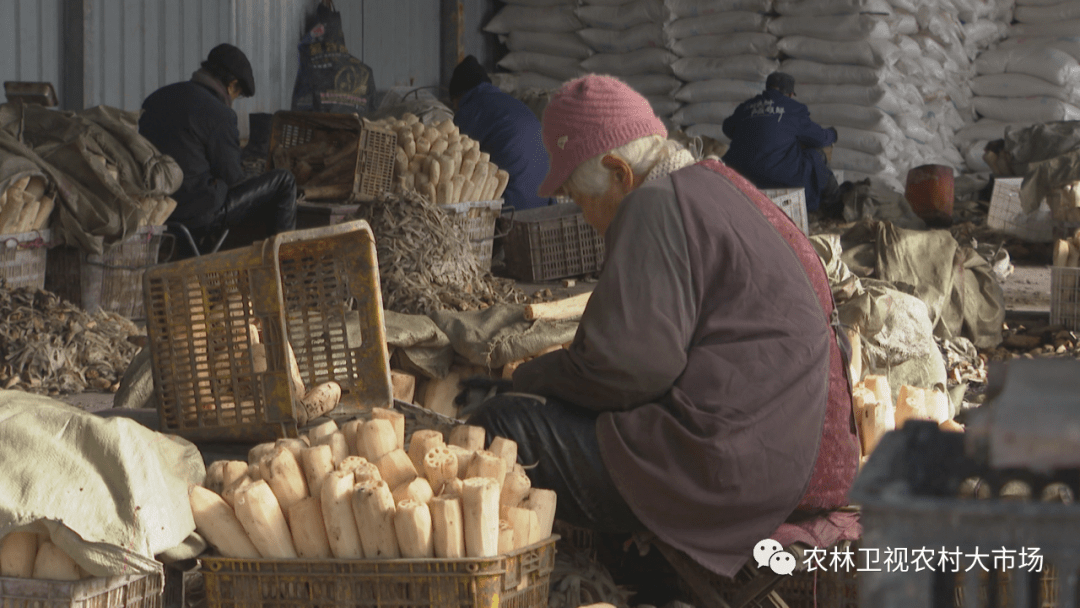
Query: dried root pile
50	346
426	262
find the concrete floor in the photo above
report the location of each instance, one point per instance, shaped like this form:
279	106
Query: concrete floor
1027	289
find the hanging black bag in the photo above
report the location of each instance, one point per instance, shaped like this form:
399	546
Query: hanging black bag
329	78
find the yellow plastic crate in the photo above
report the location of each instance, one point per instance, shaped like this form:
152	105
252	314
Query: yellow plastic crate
130	591
519	579
376	145
316	288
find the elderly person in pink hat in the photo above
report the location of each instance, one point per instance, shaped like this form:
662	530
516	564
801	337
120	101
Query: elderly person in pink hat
705	396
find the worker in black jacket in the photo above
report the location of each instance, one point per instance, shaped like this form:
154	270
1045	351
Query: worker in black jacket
194	123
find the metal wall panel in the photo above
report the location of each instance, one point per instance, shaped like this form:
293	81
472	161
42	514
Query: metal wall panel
133	47
398	40
268	32
30	40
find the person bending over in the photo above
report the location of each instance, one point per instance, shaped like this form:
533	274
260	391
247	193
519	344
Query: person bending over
705	396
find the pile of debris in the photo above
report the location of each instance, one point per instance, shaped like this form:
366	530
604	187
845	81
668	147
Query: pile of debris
425	260
52	347
1036	342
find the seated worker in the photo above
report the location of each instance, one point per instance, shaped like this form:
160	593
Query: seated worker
774	144
194	123
704	397
506	129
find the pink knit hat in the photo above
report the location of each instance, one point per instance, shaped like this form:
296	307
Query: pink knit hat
590	116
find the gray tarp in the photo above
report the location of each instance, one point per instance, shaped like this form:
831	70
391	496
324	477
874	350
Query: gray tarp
423	346
75	150
956	283
499	335
894	327
109	492
1039	142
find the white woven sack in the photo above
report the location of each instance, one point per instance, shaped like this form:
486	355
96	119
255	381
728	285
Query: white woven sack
694	8
565	44
624	16
1050	64
859	52
713	112
646	35
717	23
720	89
735	67
812	72
726	45
513	18
1053	13
653	84
634	63
1019	85
842	27
560	68
1025	109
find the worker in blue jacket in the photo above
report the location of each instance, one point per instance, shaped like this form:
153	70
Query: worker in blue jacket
774	144
506	129
194	123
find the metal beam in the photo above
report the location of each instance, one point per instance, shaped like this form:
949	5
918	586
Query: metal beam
452	47
72	54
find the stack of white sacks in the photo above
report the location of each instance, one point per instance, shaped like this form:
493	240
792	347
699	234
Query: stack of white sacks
893	76
1032	76
630	42
725	54
545	49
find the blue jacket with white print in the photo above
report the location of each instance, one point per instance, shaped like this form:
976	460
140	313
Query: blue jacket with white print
773	145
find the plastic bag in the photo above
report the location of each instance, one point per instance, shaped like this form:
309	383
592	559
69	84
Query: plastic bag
329	79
